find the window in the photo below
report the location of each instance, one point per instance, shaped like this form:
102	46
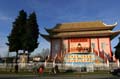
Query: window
102	45
93	45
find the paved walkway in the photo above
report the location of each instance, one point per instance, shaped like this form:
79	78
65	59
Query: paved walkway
58	77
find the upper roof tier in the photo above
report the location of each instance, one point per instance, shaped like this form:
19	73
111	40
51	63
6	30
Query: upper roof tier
81	29
81	26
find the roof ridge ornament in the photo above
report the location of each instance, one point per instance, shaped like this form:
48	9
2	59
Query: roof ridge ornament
110	24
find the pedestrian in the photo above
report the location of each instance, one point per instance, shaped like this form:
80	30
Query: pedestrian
41	69
35	69
16	68
56	69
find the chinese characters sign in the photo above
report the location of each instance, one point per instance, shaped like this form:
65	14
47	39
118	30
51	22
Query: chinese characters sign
79	59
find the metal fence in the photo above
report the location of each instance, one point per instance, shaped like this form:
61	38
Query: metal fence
30	66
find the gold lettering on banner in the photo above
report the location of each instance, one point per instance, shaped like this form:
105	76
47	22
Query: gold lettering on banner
79	40
79	58
82	49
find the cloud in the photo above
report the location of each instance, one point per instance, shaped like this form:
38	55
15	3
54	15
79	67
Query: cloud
3	39
3	46
3	51
5	18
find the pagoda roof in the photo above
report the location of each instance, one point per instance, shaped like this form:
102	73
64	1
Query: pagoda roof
81	26
105	33
81	29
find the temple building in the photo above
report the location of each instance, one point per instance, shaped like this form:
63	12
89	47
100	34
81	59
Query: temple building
78	42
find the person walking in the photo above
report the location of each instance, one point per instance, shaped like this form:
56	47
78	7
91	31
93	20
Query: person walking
41	69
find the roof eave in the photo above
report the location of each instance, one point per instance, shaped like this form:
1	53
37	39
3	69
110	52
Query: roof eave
48	30
47	37
114	34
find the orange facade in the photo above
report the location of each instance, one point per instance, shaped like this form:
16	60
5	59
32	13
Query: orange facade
82	37
100	46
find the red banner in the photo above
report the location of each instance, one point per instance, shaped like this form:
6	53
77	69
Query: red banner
79	40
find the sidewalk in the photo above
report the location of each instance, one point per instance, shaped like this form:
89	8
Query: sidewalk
46	74
55	75
17	76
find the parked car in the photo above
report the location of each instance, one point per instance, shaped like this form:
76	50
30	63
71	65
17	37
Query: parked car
115	71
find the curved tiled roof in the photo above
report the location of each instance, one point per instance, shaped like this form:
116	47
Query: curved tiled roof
105	33
81	26
88	34
82	29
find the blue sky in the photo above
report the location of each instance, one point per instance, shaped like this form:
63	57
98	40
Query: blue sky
51	12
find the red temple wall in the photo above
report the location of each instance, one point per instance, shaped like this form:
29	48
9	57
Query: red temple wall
84	43
70	45
95	43
104	44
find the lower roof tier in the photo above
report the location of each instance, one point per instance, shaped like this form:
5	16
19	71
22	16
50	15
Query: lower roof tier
105	33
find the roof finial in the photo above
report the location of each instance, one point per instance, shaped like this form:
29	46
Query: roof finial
110	24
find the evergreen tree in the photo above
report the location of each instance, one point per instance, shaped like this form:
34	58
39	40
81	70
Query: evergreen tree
117	51
32	34
24	34
17	32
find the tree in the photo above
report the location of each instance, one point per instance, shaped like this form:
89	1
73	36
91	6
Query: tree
117	51
17	32
31	35
14	39
45	52
24	34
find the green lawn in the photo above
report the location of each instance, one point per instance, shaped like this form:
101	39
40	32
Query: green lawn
59	74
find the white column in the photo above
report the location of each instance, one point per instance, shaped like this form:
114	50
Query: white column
118	63
54	60
53	63
92	50
45	64
107	62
